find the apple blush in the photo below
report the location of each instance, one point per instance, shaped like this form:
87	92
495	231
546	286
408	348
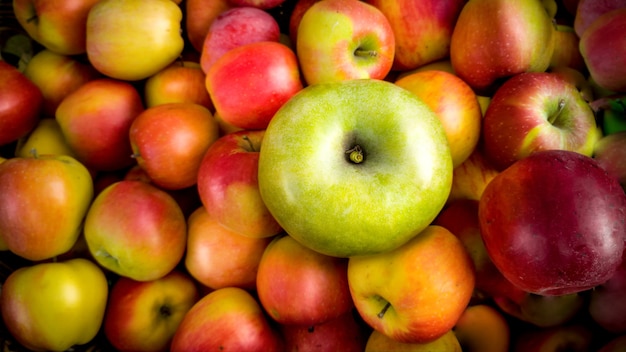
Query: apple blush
554	223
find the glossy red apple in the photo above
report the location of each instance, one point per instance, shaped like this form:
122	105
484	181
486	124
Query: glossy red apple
553	223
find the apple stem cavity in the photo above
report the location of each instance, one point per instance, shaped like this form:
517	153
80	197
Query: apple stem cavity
250	145
355	154
553	118
165	311
382	312
365	53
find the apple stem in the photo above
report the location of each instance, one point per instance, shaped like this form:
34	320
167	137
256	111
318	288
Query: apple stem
356	154
365	53
384	310
34	153
561	106
252	149
31	19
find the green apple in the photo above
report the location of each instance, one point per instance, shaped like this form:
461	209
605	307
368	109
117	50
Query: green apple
354	167
53	306
134	39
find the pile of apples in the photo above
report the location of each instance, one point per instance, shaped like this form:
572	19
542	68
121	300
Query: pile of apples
306	175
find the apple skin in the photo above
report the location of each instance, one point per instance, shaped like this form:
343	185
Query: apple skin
260	4
610	153
346	333
267	76
228	185
456	105
379	342
43	200
218	257
136	230
542	311
573	337
45	138
587	11
95	120
21	104
536	111
199	14
299	9
606	60
235	27
229	318
493	40
132	39
343	208
54	306
422	29
298	286
361	44
566	49
57	76
482	328
180	82
566	243
471	177
58	25
169	141
143	316
606	305
414	294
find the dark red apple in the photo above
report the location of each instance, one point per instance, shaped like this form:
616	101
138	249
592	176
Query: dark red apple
554	223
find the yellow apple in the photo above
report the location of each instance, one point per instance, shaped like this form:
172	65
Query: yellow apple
46	138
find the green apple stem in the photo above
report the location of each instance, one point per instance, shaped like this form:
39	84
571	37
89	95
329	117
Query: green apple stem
251	146
381	314
355	154
365	53
555	116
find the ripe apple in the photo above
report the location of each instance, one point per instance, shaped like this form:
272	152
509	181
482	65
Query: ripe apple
456	105
606	59
299	286
58	25
180	82
482	328
229	318
199	14
536	111
43	200
143	316
587	11
414	294
267	76
379	342
610	153
57	76
45	138
346	333
371	172
235	27
136	230
169	142
95	120
21	104
471	177
493	40
228	185
133	39
566	49
299	9
422	29
344	39
567	242
218	257
54	306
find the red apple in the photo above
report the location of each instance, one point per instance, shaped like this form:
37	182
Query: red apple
143	316
422	29
362	43
228	185
180	82
21	104
218	257
57	76
136	230
587	11
170	140
43	200
495	39
199	14
297	285
58	25
228	319
537	111
606	59
346	333
95	120
267	76
235	27
553	223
